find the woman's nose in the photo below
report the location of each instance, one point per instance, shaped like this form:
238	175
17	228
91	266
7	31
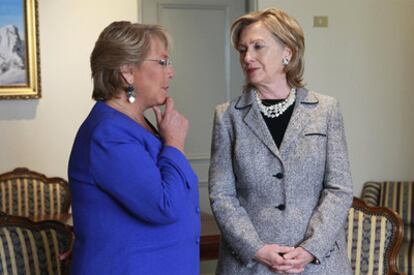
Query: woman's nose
170	72
247	56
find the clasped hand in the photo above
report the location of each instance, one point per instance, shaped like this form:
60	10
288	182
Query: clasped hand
284	259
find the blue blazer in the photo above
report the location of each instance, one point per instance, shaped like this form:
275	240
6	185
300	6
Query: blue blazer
134	200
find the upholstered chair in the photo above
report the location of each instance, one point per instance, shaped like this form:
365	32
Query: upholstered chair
399	196
28	193
28	247
374	236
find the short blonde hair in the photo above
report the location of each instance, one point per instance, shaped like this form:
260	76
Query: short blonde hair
286	31
120	43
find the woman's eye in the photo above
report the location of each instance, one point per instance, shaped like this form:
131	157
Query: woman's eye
258	46
241	49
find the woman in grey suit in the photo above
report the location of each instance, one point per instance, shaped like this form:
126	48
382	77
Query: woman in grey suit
280	184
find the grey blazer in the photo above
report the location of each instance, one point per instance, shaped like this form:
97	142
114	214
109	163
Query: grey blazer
297	195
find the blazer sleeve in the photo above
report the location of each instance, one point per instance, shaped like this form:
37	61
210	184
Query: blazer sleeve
153	190
236	227
330	215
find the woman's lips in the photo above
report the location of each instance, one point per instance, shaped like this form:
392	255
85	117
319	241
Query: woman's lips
251	70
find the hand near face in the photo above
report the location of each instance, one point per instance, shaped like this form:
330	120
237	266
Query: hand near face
298	258
271	255
172	125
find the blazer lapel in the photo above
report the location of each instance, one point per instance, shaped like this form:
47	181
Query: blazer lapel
299	119
255	122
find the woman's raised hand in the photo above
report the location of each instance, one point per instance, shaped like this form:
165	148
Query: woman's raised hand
172	125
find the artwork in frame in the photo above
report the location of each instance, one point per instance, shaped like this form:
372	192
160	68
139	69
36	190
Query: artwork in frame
19	50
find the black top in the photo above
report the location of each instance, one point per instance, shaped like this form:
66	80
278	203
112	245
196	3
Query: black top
277	125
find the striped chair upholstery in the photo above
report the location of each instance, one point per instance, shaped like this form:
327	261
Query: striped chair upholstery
28	247
374	236
28	193
399	196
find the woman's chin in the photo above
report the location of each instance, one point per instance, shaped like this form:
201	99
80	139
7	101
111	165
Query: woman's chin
159	102
163	100
253	80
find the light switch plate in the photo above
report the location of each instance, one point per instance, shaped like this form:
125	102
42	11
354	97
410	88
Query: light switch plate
320	21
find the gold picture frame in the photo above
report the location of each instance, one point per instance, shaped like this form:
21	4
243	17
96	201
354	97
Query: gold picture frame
19	57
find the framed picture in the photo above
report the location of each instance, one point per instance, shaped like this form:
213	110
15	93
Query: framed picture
19	50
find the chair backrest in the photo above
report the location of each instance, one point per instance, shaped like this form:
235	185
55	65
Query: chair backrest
397	195
28	193
28	247
371	193
374	236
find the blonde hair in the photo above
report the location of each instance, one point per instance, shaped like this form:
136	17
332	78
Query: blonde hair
120	43
286	31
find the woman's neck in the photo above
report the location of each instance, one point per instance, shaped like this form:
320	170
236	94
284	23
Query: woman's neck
129	109
275	90
273	93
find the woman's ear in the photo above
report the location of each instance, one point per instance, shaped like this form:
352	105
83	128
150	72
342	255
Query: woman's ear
127	73
287	53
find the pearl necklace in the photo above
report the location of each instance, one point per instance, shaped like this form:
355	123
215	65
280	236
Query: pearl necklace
277	109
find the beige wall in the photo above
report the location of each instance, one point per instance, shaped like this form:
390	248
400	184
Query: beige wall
365	59
39	133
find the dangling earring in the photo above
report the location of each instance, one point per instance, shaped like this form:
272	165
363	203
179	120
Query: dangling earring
131	93
285	61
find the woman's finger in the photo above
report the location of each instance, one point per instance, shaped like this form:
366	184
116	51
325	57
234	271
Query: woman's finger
284	249
295	270
157	113
169	105
291	254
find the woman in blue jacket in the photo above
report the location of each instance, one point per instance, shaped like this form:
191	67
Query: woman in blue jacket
134	194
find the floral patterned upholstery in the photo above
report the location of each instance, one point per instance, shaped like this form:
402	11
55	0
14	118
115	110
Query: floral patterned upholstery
28	247
374	237
28	193
399	196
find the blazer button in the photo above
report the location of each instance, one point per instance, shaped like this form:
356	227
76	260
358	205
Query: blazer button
279	175
281	207
316	261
